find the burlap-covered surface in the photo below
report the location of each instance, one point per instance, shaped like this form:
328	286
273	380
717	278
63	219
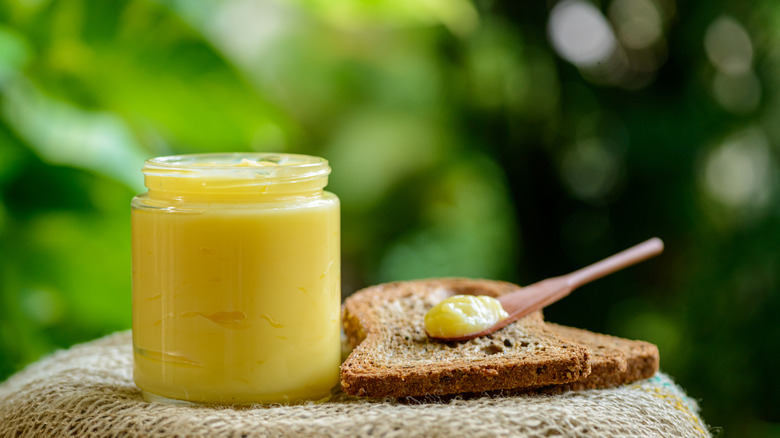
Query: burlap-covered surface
88	391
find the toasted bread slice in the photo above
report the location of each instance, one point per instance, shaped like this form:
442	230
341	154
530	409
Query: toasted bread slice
393	357
613	361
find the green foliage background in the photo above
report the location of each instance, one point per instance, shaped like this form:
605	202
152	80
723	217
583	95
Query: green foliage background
461	144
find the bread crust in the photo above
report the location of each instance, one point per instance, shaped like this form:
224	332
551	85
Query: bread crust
393	357
614	361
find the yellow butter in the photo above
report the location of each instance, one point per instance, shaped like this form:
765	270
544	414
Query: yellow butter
236	280
461	315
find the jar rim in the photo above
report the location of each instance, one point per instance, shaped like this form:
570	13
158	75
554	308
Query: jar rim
239	165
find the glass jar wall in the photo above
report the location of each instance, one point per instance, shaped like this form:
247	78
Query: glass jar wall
236	279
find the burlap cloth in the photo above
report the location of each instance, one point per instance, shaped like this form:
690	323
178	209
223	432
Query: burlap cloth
88	391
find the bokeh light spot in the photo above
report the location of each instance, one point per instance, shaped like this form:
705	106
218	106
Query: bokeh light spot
738	173
591	170
637	22
246	29
580	33
737	93
728	45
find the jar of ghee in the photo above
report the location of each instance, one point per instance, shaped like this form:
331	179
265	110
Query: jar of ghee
236	279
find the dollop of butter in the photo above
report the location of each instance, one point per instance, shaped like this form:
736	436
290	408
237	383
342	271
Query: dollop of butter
461	315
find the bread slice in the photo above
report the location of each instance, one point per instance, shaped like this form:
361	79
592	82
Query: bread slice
613	361
393	357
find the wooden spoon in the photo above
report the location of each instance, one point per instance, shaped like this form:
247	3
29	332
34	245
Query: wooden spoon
538	295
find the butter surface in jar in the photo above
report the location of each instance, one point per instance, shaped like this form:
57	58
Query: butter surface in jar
461	315
236	279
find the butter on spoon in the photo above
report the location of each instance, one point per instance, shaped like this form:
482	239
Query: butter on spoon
464	317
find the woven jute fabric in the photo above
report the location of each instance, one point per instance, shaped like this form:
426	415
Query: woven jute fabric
88	391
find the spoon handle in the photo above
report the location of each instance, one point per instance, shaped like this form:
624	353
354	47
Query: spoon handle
633	255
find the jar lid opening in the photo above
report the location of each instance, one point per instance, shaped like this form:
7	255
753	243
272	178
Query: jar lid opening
268	167
234	177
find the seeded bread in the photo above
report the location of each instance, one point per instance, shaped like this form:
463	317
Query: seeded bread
393	357
613	361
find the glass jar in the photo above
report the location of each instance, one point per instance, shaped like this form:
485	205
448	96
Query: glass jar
236	279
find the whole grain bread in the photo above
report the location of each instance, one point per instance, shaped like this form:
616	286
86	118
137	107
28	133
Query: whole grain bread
393	357
613	361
